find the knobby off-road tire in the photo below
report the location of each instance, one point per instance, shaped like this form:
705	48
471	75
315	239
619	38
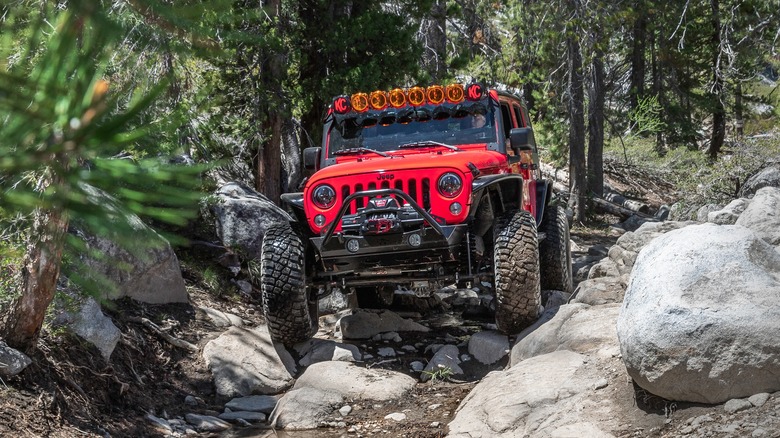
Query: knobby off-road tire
555	250
516	265
290	316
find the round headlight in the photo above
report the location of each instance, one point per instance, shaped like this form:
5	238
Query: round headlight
450	185
323	196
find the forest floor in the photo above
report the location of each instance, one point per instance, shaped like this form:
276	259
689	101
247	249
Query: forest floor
70	390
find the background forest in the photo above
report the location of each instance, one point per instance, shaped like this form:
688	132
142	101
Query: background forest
117	107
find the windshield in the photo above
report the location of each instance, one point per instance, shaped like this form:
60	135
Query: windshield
451	124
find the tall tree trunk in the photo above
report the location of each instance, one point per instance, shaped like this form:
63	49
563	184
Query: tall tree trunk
434	39
22	326
658	49
577	177
637	90
596	123
719	111
739	123
269	170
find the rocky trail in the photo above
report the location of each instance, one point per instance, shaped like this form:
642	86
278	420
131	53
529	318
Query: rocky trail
433	367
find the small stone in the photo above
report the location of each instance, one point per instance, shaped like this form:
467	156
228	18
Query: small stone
465	357
758	432
396	416
417	366
345	410
207	423
601	384
386	352
391	336
435	424
246	416
736	405
160	424
409	348
254	403
434	406
190	400
706	418
758	400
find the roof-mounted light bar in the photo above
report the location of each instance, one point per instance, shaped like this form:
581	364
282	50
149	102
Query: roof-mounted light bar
414	96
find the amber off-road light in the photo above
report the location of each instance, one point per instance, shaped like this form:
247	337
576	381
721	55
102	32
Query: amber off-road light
378	100
435	94
455	93
359	102
397	98
416	96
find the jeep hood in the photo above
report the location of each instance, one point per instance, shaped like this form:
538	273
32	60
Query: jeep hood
488	162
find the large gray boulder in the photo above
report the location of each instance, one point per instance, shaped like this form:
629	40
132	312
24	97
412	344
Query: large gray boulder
699	318
729	214
245	362
622	255
305	408
551	395
130	258
145	268
353	382
243	215
575	327
600	290
767	177
763	215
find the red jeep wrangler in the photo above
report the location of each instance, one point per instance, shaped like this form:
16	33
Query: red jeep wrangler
418	188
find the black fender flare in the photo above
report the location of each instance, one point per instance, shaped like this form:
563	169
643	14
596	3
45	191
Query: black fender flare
293	203
543	198
509	188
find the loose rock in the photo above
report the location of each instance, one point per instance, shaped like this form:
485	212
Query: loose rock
207	423
246	362
488	347
254	403
353	382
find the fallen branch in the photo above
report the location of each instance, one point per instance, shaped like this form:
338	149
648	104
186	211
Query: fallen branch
608	207
176	342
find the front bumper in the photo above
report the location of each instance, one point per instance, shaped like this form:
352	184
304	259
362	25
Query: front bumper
420	248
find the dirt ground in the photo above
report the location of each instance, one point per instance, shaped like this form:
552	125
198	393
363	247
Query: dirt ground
70	390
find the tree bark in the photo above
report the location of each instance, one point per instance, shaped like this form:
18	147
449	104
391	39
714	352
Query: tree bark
269	171
21	327
638	49
596	121
577	177
739	123
658	46
719	111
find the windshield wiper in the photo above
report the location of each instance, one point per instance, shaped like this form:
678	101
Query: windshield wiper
427	143
355	151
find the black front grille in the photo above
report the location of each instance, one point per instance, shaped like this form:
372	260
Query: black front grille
417	189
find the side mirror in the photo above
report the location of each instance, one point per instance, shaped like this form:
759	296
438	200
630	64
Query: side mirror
311	158
522	139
